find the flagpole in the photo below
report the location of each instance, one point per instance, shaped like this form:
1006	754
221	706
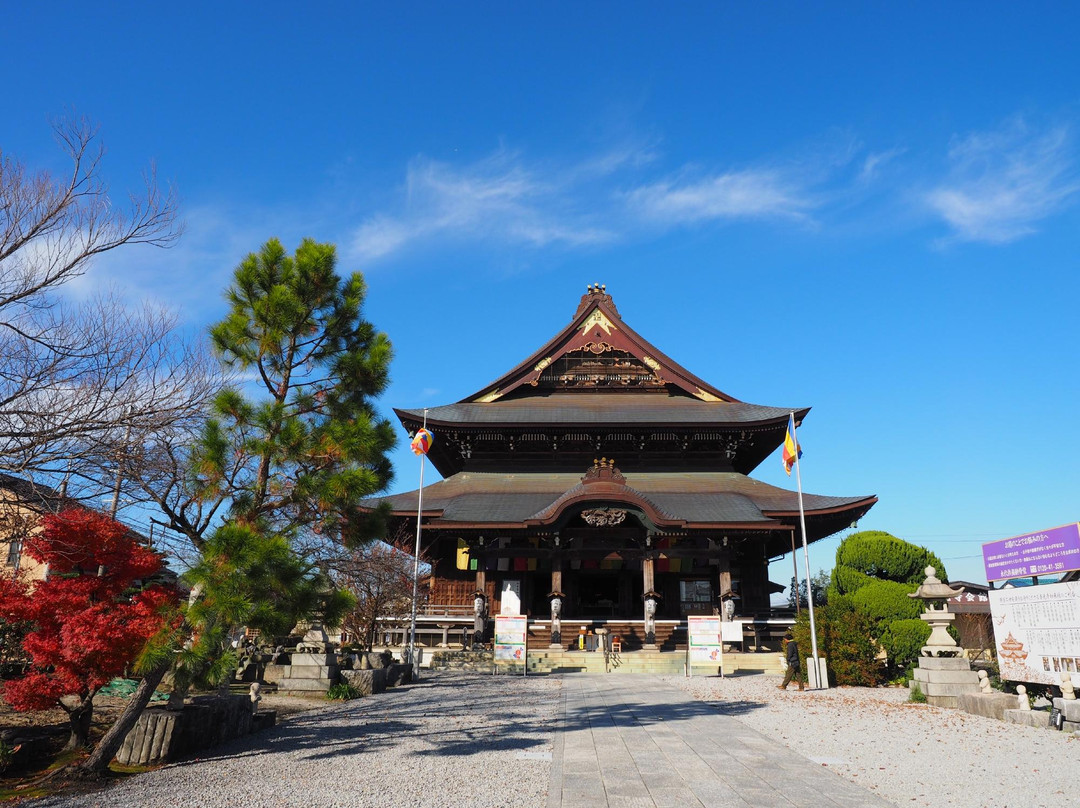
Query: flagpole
416	563
806	558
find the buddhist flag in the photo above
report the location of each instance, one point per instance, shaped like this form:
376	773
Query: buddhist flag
792	450
422	441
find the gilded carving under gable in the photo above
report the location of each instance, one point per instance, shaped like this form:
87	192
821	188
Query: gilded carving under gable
597	318
492	396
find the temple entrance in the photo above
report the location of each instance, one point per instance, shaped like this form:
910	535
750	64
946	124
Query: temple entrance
604	594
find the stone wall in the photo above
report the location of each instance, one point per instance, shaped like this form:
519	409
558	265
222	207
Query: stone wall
162	735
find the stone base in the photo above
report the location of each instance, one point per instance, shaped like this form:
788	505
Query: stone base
162	735
1028	718
1070	708
943	680
988	705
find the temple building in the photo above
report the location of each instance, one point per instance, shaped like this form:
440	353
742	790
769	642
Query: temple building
599	480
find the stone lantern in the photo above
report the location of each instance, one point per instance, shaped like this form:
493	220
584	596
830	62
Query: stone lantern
934	593
943	674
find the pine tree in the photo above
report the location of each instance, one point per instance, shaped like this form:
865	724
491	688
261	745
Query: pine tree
287	469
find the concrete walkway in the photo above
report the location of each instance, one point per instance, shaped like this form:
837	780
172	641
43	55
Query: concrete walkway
632	741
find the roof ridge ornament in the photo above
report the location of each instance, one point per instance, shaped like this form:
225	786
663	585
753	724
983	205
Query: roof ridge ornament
595	293
603	471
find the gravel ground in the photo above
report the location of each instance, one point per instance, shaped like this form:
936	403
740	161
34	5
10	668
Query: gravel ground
441	743
906	753
433	743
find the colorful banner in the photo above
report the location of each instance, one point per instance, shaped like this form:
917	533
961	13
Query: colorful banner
1037	631
1045	552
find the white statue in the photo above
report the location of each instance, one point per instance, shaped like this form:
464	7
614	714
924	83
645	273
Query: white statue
255	694
728	611
1067	691
650	620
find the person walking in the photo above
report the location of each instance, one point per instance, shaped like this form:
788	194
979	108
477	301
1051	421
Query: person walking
794	666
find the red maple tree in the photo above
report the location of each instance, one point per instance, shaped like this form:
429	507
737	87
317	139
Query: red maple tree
87	624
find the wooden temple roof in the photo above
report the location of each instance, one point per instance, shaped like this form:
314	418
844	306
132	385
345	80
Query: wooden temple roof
688	500
588	409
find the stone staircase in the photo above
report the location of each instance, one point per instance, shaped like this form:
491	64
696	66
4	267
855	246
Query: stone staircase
642	661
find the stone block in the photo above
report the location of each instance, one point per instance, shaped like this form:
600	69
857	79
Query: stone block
313	659
328	672
947	689
1070	708
988	705
298	684
944	664
367	682
274	673
944	677
1028	718
398	674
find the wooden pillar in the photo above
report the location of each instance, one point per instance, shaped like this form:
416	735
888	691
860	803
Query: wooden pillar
556	573
648	566
481	578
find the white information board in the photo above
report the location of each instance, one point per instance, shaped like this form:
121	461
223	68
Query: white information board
1037	632
511	635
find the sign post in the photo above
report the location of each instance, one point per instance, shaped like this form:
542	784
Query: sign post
511	641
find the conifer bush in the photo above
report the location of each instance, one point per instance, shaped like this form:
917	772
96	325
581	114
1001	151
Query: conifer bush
845	639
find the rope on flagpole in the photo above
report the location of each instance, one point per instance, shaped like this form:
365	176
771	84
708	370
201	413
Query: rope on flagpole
806	558
416	563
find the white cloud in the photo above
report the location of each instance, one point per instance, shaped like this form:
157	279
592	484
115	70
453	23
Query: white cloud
498	199
745	194
1002	182
876	161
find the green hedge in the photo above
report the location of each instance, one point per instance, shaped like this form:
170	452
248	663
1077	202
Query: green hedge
845	640
902	641
882	555
886	601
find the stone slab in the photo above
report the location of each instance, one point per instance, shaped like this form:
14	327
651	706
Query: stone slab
947	689
967	677
311	672
943	664
988	705
1070	708
1028	718
313	659
305	685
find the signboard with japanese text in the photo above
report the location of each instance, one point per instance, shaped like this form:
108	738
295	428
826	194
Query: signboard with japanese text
705	639
1037	631
510	639
1044	552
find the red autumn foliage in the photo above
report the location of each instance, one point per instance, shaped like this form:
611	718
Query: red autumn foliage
86	629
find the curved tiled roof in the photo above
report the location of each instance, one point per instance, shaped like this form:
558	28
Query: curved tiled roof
690	498
571	409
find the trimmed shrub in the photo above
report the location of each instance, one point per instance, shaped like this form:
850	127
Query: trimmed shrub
902	641
886	601
882	555
845	640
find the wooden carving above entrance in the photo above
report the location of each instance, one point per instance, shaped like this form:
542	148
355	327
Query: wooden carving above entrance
604	517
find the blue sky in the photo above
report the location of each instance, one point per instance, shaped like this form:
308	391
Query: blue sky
867	209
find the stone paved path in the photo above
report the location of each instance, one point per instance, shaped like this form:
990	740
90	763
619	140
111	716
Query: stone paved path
633	741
